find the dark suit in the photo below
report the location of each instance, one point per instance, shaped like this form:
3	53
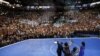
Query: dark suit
59	49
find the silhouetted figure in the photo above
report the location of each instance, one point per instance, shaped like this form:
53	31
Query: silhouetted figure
66	50
75	51
59	48
82	48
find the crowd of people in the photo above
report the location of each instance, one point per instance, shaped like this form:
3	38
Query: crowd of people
41	25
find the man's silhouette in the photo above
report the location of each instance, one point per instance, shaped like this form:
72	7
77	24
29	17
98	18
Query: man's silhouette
59	48
82	49
66	50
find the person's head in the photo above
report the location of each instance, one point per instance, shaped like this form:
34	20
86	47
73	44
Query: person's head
66	44
74	49
83	44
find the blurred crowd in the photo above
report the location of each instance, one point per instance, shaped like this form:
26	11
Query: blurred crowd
42	25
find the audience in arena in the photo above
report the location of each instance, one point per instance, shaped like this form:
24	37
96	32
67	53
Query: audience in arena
41	25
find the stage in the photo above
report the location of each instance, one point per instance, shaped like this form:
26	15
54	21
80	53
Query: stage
47	47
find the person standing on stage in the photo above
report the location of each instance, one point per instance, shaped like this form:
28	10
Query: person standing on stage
59	48
66	50
75	51
82	48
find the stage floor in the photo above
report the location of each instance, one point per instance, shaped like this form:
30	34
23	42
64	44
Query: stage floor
47	47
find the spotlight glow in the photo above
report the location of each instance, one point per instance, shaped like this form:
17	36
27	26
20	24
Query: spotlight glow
55	42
